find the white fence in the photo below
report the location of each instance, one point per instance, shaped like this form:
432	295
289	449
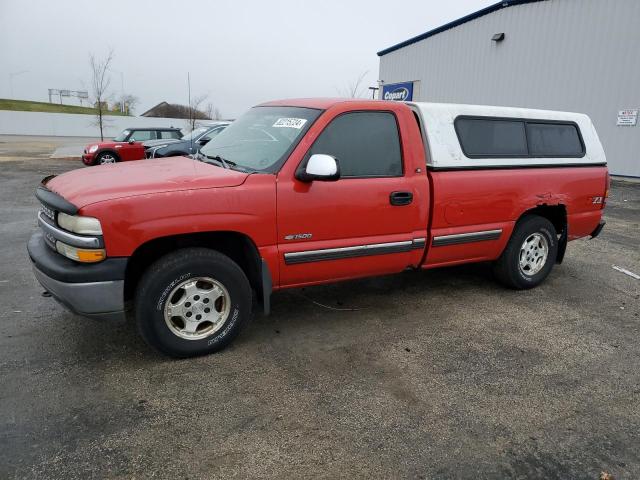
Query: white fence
75	125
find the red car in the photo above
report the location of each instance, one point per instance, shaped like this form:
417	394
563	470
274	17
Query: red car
126	146
305	192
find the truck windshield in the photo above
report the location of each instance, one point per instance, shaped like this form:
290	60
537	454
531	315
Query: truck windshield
261	139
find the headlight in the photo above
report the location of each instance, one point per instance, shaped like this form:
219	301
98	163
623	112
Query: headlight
93	148
84	255
81	225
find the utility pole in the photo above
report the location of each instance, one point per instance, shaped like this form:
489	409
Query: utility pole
15	74
121	87
189	97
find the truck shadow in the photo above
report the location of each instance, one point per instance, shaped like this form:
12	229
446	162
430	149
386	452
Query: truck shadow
358	294
356	308
353	301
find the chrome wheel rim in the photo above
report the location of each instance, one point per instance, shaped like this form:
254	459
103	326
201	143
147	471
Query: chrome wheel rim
106	159
533	254
197	308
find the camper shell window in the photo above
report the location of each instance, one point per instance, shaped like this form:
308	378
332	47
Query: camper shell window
494	137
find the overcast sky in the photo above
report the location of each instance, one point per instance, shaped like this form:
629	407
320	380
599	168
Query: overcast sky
239	52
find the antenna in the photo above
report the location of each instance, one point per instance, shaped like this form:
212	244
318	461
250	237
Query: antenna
190	113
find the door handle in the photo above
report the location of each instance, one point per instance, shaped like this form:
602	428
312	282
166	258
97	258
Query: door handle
400	198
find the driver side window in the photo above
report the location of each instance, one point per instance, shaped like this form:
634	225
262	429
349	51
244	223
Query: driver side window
366	144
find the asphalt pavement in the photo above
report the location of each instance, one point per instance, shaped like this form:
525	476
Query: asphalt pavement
436	374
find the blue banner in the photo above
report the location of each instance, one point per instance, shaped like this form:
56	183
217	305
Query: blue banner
400	92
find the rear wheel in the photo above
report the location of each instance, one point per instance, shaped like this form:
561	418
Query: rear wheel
192	302
530	254
106	158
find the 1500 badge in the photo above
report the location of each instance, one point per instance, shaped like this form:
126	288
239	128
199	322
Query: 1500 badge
299	236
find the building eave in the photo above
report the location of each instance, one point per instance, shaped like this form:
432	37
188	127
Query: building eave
472	16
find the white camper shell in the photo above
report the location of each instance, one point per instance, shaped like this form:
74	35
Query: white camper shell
461	136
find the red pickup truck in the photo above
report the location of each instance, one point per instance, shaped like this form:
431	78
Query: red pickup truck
304	192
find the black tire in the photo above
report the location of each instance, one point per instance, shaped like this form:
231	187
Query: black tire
100	158
507	268
167	274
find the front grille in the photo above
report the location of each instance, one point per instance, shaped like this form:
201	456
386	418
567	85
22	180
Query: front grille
50	213
50	216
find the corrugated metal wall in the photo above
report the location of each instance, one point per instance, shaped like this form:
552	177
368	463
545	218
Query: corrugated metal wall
573	55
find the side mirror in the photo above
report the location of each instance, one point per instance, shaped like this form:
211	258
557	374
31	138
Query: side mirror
203	141
320	167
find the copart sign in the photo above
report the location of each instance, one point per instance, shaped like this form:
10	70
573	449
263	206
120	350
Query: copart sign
399	92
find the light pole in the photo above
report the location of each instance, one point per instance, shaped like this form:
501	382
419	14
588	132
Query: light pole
121	87
15	74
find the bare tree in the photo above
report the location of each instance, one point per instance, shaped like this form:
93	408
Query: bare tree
208	110
355	89
212	112
100	83
194	110
129	101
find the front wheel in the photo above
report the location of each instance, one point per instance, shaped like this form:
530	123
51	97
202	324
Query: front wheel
192	302
106	158
530	254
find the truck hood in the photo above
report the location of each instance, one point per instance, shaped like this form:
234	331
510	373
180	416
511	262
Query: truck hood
109	182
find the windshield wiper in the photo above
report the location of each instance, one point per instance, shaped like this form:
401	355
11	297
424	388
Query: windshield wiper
225	163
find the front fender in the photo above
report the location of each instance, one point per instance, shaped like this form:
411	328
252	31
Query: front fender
129	222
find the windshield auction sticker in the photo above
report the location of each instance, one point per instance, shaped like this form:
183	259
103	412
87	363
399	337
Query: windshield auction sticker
296	123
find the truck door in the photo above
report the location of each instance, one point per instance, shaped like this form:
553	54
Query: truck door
370	221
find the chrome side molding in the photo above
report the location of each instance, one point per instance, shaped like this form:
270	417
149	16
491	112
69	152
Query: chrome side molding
457	238
293	258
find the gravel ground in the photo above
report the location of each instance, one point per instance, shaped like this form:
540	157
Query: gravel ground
438	374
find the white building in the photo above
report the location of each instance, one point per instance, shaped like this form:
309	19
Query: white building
571	55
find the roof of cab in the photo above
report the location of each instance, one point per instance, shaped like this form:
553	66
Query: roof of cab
319	103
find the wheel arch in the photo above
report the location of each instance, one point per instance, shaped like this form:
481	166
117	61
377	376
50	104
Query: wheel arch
237	246
557	215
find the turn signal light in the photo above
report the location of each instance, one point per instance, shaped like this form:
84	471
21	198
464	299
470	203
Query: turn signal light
81	254
90	256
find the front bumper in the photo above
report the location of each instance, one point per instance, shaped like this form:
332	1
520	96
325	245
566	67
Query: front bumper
87	158
91	290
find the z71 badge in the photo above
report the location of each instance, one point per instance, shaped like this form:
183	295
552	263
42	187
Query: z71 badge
299	236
